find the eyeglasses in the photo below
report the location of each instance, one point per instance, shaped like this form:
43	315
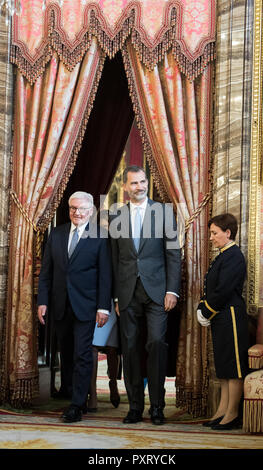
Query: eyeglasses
81	210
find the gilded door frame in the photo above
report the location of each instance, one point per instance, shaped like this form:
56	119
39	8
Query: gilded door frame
256	175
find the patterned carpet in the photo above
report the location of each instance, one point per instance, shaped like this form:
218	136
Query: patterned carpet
41	427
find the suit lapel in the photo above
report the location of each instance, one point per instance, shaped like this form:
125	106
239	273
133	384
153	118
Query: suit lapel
146	230
64	243
79	245
130	231
142	240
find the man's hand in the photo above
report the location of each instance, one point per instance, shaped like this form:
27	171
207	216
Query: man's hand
101	319
41	312
116	305
170	301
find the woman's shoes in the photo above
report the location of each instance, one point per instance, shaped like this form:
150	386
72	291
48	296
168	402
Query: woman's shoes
216	426
213	422
114	394
234	424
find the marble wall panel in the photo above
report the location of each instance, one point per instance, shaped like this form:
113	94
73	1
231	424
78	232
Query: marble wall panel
232	111
6	116
232	128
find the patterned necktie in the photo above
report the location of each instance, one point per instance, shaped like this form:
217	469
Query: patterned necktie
74	242
137	228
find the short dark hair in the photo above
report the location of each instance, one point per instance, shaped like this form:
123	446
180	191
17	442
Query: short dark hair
132	169
225	221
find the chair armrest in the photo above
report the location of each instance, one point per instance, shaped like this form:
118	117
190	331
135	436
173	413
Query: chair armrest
255	356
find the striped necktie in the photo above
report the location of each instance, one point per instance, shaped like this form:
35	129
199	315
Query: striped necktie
74	242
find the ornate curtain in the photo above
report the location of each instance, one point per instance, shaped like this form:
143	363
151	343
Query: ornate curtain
186	27
173	114
58	53
50	119
105	137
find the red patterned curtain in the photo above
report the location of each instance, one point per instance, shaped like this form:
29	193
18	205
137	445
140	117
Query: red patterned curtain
173	114
50	119
59	53
186	27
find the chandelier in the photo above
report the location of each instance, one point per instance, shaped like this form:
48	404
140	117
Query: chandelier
14	7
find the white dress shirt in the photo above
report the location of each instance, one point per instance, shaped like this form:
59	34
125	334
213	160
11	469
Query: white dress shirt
133	209
81	230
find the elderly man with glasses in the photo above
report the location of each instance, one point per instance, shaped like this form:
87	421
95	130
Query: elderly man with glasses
75	286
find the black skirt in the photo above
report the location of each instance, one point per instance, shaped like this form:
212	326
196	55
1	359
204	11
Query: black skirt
230	342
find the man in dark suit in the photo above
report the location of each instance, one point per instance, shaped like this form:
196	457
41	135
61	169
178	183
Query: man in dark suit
146	268
75	285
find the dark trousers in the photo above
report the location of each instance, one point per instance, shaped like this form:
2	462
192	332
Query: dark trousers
142	308
75	344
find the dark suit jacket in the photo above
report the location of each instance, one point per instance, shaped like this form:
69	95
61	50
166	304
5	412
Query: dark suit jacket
158	265
224	282
86	278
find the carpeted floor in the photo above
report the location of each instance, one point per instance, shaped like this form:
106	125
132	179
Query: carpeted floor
41	427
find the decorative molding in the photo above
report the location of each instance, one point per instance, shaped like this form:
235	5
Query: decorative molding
253	283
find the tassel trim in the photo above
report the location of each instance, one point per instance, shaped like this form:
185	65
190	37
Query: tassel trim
255	362
194	404
25	390
54	202
155	171
95	25
253	415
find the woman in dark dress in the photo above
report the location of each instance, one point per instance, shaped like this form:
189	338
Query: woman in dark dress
223	307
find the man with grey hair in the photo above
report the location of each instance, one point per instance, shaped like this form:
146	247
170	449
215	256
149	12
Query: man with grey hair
75	286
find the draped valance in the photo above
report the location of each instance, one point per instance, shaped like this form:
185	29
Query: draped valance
187	27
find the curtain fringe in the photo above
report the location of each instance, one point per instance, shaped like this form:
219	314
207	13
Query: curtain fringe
148	56
195	404
253	415
25	390
194	401
48	215
52	206
142	130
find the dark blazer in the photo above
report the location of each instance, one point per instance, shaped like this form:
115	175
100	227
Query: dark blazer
224	282
223	304
158	265
86	278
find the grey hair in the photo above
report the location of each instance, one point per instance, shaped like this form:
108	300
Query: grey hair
82	195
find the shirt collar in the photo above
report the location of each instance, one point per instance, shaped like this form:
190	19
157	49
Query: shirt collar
80	228
228	245
141	206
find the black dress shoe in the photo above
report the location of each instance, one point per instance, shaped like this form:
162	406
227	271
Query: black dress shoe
61	395
72	414
213	422
157	416
133	416
234	424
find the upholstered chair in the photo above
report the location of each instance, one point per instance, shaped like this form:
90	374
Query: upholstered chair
253	392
